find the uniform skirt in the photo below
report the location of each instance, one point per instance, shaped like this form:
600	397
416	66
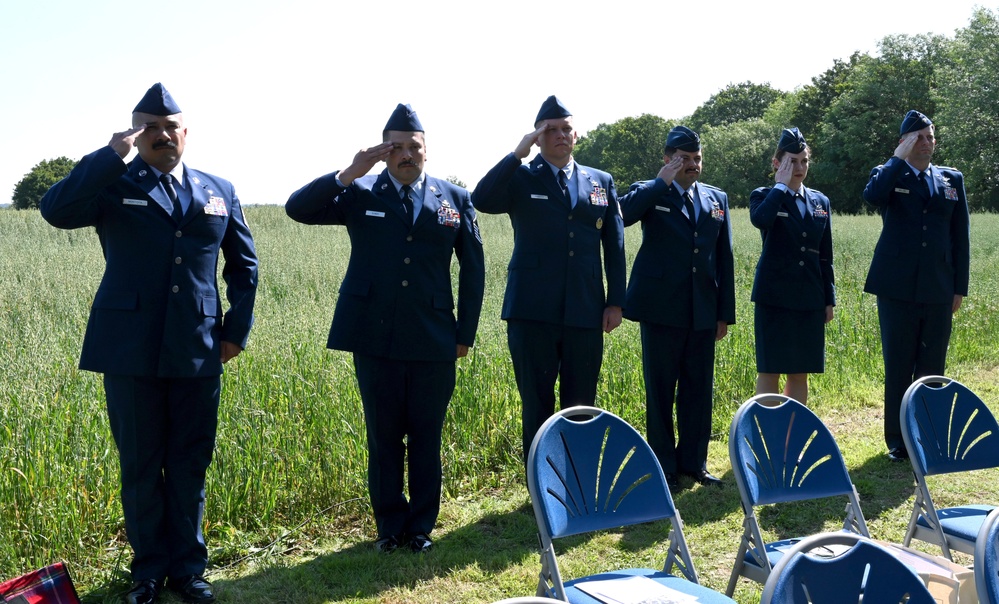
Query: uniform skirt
789	341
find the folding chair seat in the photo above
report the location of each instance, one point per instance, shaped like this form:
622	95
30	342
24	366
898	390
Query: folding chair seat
782	452
589	470
832	568
946	429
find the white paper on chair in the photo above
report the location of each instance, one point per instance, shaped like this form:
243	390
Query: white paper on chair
634	590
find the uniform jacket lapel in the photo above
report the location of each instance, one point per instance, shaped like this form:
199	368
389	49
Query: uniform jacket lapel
541	169
385	190
200	194
144	178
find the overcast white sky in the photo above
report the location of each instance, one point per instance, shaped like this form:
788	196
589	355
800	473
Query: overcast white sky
277	93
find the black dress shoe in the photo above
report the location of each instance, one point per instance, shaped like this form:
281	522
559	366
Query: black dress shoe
144	592
673	482
898	454
193	589
705	478
420	543
387	545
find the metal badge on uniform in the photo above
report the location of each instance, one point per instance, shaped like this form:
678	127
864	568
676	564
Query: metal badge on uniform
216	207
950	193
375	213
134	202
142	172
716	212
663	208
599	195
537	196
901	190
448	216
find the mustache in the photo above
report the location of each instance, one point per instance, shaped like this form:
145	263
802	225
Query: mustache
164	145
406	163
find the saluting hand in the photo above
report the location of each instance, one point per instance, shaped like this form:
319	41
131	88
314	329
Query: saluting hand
785	171
124	142
364	160
905	145
530	139
669	171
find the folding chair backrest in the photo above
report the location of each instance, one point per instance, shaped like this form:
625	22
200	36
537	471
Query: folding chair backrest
783	452
947	428
987	560
594	474
832	568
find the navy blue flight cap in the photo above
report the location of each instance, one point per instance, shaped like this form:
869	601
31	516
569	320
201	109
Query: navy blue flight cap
684	139
791	141
404	119
913	121
552	108
157	101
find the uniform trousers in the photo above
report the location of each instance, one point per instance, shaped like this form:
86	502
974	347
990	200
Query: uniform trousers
544	352
914	338
405	403
165	432
678	365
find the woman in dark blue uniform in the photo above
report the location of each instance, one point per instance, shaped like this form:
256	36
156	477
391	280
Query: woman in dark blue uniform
794	289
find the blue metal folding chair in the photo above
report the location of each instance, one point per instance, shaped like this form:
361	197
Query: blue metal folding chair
782	452
589	470
833	568
987	560
946	429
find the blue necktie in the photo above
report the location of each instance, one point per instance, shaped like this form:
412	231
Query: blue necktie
688	204
565	187
407	202
178	210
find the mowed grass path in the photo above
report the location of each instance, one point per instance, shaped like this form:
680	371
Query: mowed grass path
287	517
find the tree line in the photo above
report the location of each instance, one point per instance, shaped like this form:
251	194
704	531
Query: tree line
850	115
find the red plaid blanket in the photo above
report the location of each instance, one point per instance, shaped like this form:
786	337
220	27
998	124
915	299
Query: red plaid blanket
49	585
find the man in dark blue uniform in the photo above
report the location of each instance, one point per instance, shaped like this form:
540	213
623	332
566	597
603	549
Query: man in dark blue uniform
157	331
395	313
682	292
921	263
555	308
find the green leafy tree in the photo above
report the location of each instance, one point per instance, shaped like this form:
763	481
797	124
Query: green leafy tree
967	103
812	102
737	157
30	189
454	180
860	129
631	149
734	103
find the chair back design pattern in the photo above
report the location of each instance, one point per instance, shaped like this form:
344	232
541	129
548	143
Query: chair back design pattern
832	568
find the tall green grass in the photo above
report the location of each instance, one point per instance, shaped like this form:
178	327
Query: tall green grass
291	438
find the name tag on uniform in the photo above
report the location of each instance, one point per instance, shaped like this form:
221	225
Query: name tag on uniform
216	207
899	190
662	208
537	196
134	202
375	214
782	214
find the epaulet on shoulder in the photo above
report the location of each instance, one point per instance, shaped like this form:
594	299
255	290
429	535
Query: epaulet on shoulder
948	168
642	183
707	186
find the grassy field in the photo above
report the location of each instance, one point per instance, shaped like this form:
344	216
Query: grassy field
287	514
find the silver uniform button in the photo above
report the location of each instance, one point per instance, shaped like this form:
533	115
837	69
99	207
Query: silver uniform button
178	234
177	260
175	289
405	283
